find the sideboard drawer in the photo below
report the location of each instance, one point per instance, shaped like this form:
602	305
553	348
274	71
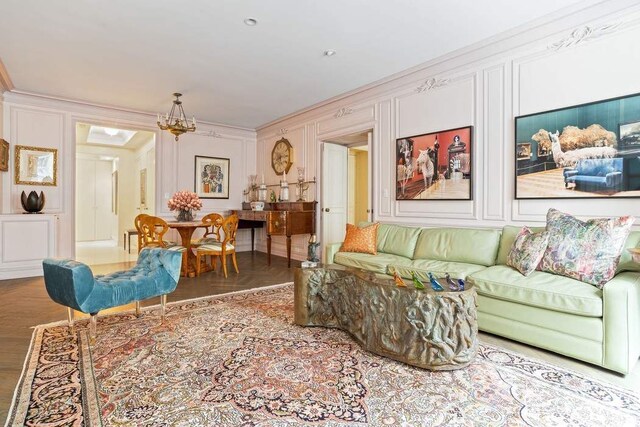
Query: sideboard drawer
277	223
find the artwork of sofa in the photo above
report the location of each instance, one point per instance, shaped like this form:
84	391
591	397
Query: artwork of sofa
594	174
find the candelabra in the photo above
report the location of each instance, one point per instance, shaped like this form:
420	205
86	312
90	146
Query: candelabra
301	186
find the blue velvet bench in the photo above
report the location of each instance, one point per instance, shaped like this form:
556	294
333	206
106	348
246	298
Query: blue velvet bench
72	284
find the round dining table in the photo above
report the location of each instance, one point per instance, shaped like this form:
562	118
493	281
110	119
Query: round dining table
186	229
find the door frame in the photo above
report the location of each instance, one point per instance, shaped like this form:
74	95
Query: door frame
69	201
371	126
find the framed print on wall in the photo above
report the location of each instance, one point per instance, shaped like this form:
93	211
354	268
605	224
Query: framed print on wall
143	188
584	151
4	155
212	177
435	166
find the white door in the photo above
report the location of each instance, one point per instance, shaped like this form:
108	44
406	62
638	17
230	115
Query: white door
334	192
94	216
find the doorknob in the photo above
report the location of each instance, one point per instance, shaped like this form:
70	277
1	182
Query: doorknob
326	209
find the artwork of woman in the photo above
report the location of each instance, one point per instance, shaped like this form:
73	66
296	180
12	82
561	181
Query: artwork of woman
212	178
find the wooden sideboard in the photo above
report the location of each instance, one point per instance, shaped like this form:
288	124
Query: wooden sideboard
281	219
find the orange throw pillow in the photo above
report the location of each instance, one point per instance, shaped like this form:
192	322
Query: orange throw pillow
362	240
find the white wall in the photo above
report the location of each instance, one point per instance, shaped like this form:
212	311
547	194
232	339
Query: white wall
486	86
45	122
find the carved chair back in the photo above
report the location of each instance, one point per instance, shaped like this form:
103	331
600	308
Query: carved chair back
152	231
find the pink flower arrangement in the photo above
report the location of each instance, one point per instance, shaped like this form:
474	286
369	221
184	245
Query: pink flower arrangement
185	201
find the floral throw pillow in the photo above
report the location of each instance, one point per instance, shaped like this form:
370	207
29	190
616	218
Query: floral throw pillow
527	250
588	251
361	239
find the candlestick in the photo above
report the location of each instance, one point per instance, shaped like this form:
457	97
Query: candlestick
263	178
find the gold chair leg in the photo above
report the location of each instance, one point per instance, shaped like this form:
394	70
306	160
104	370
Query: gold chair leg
235	262
93	323
224	265
163	306
198	263
137	308
70	314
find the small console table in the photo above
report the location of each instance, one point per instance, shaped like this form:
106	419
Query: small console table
281	219
424	328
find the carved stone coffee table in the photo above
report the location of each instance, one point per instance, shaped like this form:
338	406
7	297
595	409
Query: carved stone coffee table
424	328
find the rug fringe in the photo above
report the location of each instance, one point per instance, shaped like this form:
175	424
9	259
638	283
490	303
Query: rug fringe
21	377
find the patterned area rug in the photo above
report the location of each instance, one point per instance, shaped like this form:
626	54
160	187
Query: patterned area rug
238	360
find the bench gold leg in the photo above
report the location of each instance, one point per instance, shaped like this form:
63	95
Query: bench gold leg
137	308
70	314
93	323
163	306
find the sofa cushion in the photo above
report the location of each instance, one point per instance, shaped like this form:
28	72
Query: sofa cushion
508	236
527	250
466	245
397	240
376	263
540	289
457	270
361	239
588	251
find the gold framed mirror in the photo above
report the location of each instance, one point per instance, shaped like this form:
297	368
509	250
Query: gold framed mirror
36	165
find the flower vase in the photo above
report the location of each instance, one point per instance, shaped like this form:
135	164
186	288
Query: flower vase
185	215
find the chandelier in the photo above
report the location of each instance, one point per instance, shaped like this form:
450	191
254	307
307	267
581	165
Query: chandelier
176	121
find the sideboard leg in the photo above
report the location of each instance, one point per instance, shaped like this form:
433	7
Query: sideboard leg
289	251
268	249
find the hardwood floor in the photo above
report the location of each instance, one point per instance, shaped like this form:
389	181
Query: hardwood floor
25	304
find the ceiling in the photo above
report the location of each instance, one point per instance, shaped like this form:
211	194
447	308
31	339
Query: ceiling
135	54
87	134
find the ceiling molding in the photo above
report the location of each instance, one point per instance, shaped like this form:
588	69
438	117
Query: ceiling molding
432	83
584	34
344	111
6	84
37	96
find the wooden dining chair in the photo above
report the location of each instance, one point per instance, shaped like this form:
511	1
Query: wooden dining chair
137	222
151	233
213	225
221	249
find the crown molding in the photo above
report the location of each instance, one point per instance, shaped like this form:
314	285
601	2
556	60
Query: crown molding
5	81
16	95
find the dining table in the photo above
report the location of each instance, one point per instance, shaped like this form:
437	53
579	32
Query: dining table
186	230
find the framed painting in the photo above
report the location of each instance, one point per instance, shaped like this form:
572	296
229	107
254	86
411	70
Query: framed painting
211	177
435	166
524	151
584	151
36	165
143	187
114	192
4	155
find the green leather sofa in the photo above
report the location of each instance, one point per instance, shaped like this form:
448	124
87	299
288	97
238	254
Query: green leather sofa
553	312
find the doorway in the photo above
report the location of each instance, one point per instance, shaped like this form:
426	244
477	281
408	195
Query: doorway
115	181
346	184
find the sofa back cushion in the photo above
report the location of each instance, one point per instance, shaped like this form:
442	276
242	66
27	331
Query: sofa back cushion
469	245
509	234
396	239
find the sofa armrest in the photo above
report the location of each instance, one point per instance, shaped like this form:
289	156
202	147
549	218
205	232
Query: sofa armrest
613	178
330	252
621	318
569	172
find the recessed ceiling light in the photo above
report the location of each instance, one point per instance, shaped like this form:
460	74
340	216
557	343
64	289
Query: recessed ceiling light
329	52
251	22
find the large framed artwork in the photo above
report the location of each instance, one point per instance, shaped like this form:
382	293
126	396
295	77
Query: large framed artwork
4	155
584	151
212	177
435	166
